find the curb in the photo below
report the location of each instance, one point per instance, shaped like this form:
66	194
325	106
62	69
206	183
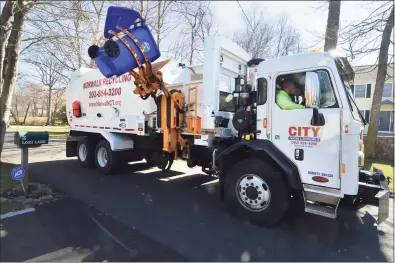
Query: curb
20	212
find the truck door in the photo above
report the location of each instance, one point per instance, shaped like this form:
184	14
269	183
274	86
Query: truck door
314	149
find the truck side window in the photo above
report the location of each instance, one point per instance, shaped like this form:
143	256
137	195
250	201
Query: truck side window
223	104
327	96
261	91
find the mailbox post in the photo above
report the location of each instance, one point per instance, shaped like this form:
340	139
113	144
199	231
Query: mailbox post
26	140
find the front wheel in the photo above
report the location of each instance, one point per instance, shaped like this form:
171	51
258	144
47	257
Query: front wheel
255	192
106	160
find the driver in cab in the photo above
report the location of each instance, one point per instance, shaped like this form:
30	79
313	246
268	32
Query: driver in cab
283	97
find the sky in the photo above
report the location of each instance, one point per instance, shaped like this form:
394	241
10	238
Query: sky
303	15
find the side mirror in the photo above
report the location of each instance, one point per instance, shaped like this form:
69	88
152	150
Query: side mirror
312	95
312	90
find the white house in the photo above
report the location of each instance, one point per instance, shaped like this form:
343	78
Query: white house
363	88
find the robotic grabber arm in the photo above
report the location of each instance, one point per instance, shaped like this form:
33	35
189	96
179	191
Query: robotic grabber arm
132	51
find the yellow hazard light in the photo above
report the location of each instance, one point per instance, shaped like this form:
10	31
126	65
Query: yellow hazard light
314	50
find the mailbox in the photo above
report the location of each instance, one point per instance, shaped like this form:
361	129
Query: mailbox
30	139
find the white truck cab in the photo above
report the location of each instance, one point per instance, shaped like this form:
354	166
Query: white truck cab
230	125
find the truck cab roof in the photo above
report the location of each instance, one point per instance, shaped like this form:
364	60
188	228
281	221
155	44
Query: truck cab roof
297	61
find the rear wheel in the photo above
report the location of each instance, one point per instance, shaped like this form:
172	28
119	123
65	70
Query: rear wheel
85	153
106	160
256	193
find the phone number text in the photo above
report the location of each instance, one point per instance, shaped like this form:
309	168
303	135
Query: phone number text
105	92
304	143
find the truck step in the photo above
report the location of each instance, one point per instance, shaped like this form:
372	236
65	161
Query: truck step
321	210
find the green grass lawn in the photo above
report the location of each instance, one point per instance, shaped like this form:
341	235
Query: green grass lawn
55	132
386	166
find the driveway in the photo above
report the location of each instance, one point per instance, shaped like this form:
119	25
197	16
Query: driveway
180	209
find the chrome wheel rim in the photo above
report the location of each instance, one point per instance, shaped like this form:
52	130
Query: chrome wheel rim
253	193
102	157
82	152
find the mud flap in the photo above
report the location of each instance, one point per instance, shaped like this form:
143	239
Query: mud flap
383	197
375	191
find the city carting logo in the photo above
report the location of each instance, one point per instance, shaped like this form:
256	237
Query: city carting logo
304	136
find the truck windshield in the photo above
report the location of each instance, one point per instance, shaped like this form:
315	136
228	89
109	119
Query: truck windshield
347	77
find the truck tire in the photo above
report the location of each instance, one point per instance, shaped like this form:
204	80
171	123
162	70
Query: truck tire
106	160
256	192
85	153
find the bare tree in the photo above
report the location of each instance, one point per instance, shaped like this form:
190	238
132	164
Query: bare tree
287	39
332	25
380	79
65	36
264	38
35	93
363	37
163	25
20	106
5	24
11	43
49	71
258	34
198	25
95	23
157	15
58	102
370	36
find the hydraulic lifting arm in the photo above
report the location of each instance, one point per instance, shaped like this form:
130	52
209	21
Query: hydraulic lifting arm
148	80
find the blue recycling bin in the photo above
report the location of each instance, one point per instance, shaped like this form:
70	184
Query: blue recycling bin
114	58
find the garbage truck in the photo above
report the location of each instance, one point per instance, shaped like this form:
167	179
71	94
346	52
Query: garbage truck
223	116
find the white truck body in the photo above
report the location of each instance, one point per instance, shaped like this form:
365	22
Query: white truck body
326	157
120	110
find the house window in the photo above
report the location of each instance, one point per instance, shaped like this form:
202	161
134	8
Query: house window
387	90
360	91
386	121
366	115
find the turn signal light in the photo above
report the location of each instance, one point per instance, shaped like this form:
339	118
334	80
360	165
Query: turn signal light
343	168
346	129
265	123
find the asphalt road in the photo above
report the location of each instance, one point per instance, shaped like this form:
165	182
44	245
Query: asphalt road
69	230
180	209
